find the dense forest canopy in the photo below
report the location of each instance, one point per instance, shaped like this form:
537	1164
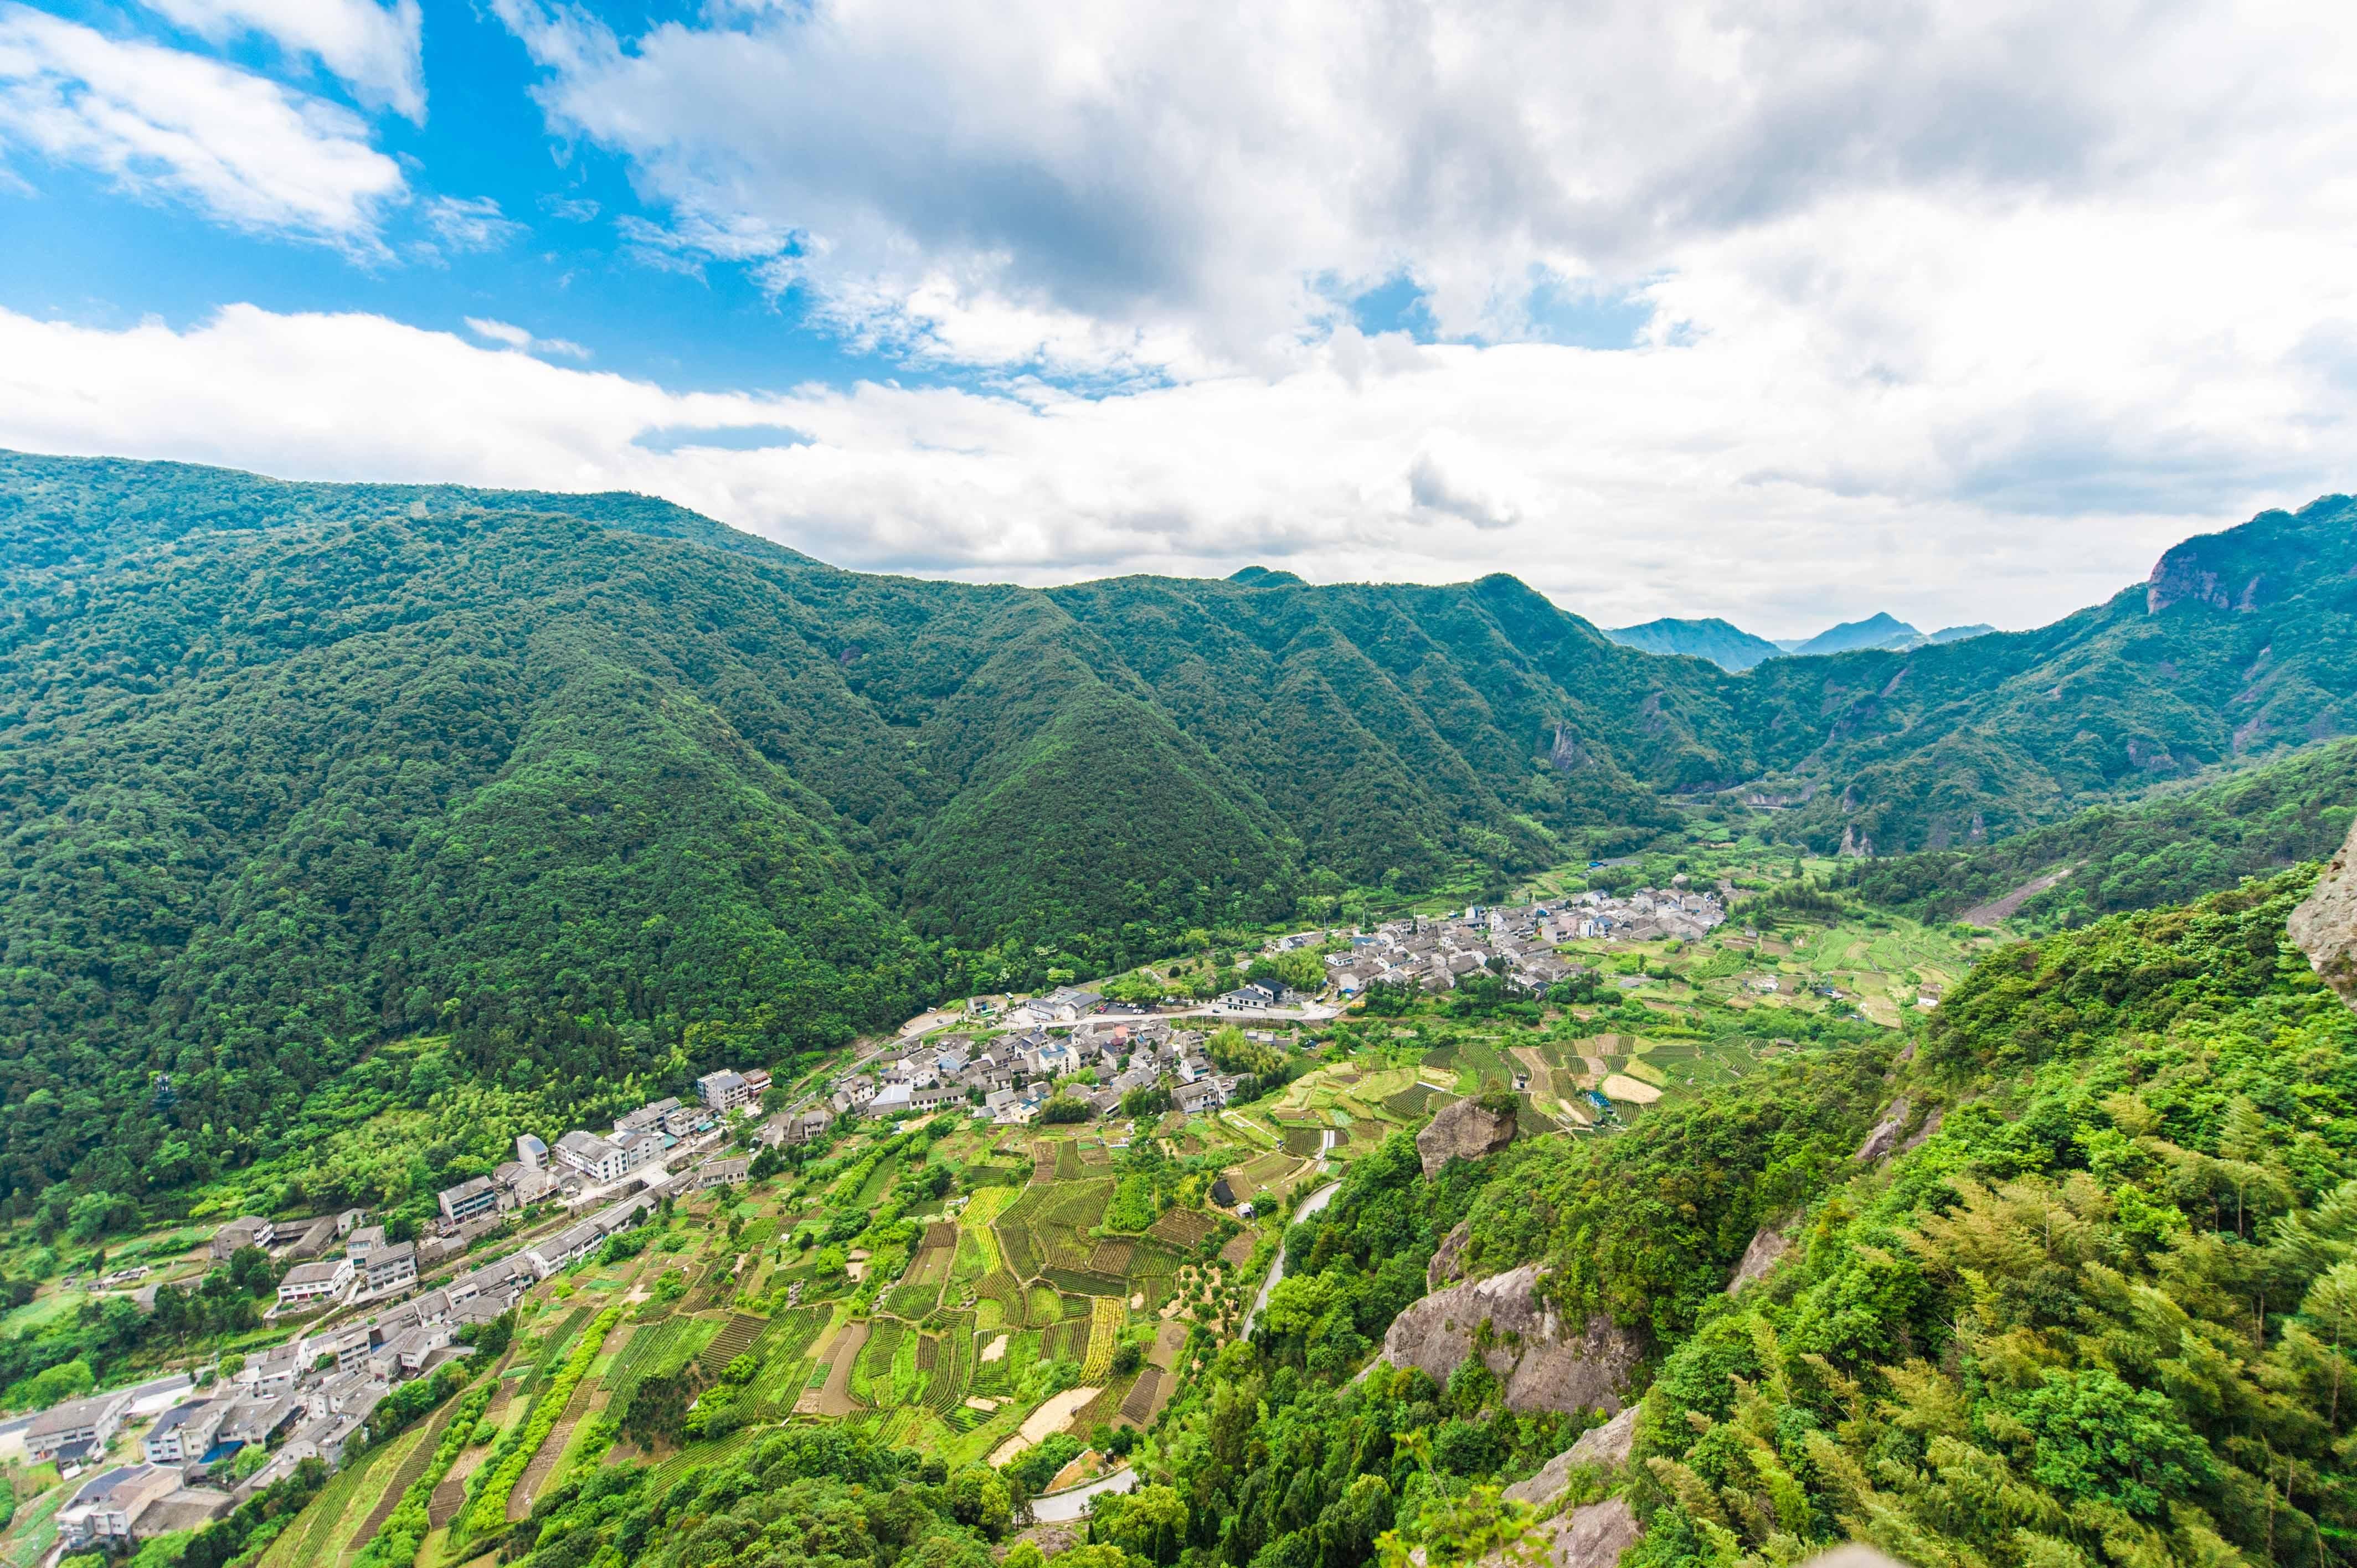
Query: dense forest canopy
599	787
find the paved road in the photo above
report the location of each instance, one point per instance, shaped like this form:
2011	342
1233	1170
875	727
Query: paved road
1309	1206
1057	1507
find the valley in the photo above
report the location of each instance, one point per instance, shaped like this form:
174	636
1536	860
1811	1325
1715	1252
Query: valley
542	1031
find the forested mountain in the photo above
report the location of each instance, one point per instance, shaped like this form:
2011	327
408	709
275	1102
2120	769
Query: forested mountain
604	787
1723	643
2166	850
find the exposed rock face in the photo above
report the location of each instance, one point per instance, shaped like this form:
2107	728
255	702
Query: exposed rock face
1448	1264
1464	1130
2187	573
1593	1536
1607	1446
1916	1139
2325	926
1541	1361
1768	1248
1883	1140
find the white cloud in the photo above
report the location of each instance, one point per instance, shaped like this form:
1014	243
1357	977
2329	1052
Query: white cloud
510	335
378	49
470	223
1726	476
1144	187
1960	308
166	123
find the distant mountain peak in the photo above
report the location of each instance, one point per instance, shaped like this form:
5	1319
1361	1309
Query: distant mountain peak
1264	578
1726	645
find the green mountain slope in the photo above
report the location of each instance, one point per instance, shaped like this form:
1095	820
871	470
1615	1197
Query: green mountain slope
1881	629
2100	1315
289	769
1724	644
2165	850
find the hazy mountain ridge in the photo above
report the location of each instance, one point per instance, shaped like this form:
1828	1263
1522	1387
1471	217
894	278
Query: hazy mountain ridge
1734	650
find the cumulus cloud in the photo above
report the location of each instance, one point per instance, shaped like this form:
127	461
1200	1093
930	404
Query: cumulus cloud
378	49
1707	478
165	123
1015	181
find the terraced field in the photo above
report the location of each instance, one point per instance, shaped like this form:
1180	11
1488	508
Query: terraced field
733	1340
872	1375
1183	1228
1106	1315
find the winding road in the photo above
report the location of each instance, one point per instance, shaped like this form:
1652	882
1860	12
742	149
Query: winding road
1309	1206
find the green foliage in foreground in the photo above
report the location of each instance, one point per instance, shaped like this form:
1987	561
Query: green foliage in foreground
2102	1317
798	1496
2165	850
2105	1317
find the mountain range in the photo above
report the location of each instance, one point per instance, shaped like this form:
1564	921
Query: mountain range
595	784
1734	650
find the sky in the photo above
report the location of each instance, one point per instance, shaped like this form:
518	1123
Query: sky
1785	311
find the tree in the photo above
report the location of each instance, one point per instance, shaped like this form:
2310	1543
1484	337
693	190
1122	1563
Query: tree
1150	1523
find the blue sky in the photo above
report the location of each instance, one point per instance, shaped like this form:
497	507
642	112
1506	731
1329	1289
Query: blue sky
1958	310
563	273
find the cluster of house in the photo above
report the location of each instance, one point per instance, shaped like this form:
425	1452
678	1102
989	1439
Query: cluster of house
307	1397
1009	1078
1647	915
584	1163
1518	942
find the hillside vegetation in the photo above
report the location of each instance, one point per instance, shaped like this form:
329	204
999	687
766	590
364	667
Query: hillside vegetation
2101	1315
599	787
2165	850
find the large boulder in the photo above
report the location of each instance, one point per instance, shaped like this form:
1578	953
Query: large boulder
1543	1362
2324	927
1606	1446
1466	1130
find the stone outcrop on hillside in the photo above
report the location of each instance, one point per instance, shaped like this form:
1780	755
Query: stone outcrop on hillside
1466	1130
1606	1446
2324	927
1543	1362
1447	1265
1769	1245
1592	1537
1883	1140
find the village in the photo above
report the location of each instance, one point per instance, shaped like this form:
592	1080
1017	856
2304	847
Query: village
365	1314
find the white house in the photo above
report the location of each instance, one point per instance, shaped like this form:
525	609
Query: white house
315	1282
725	1090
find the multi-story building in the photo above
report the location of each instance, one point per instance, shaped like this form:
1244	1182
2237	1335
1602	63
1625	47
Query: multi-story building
308	1282
472	1197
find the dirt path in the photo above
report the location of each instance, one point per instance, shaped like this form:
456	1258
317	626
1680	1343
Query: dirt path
535	1476
835	1399
451	1495
1999	909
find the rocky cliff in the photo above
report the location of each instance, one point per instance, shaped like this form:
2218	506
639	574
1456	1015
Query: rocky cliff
1466	1130
1543	1362
2325	926
1606	1447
